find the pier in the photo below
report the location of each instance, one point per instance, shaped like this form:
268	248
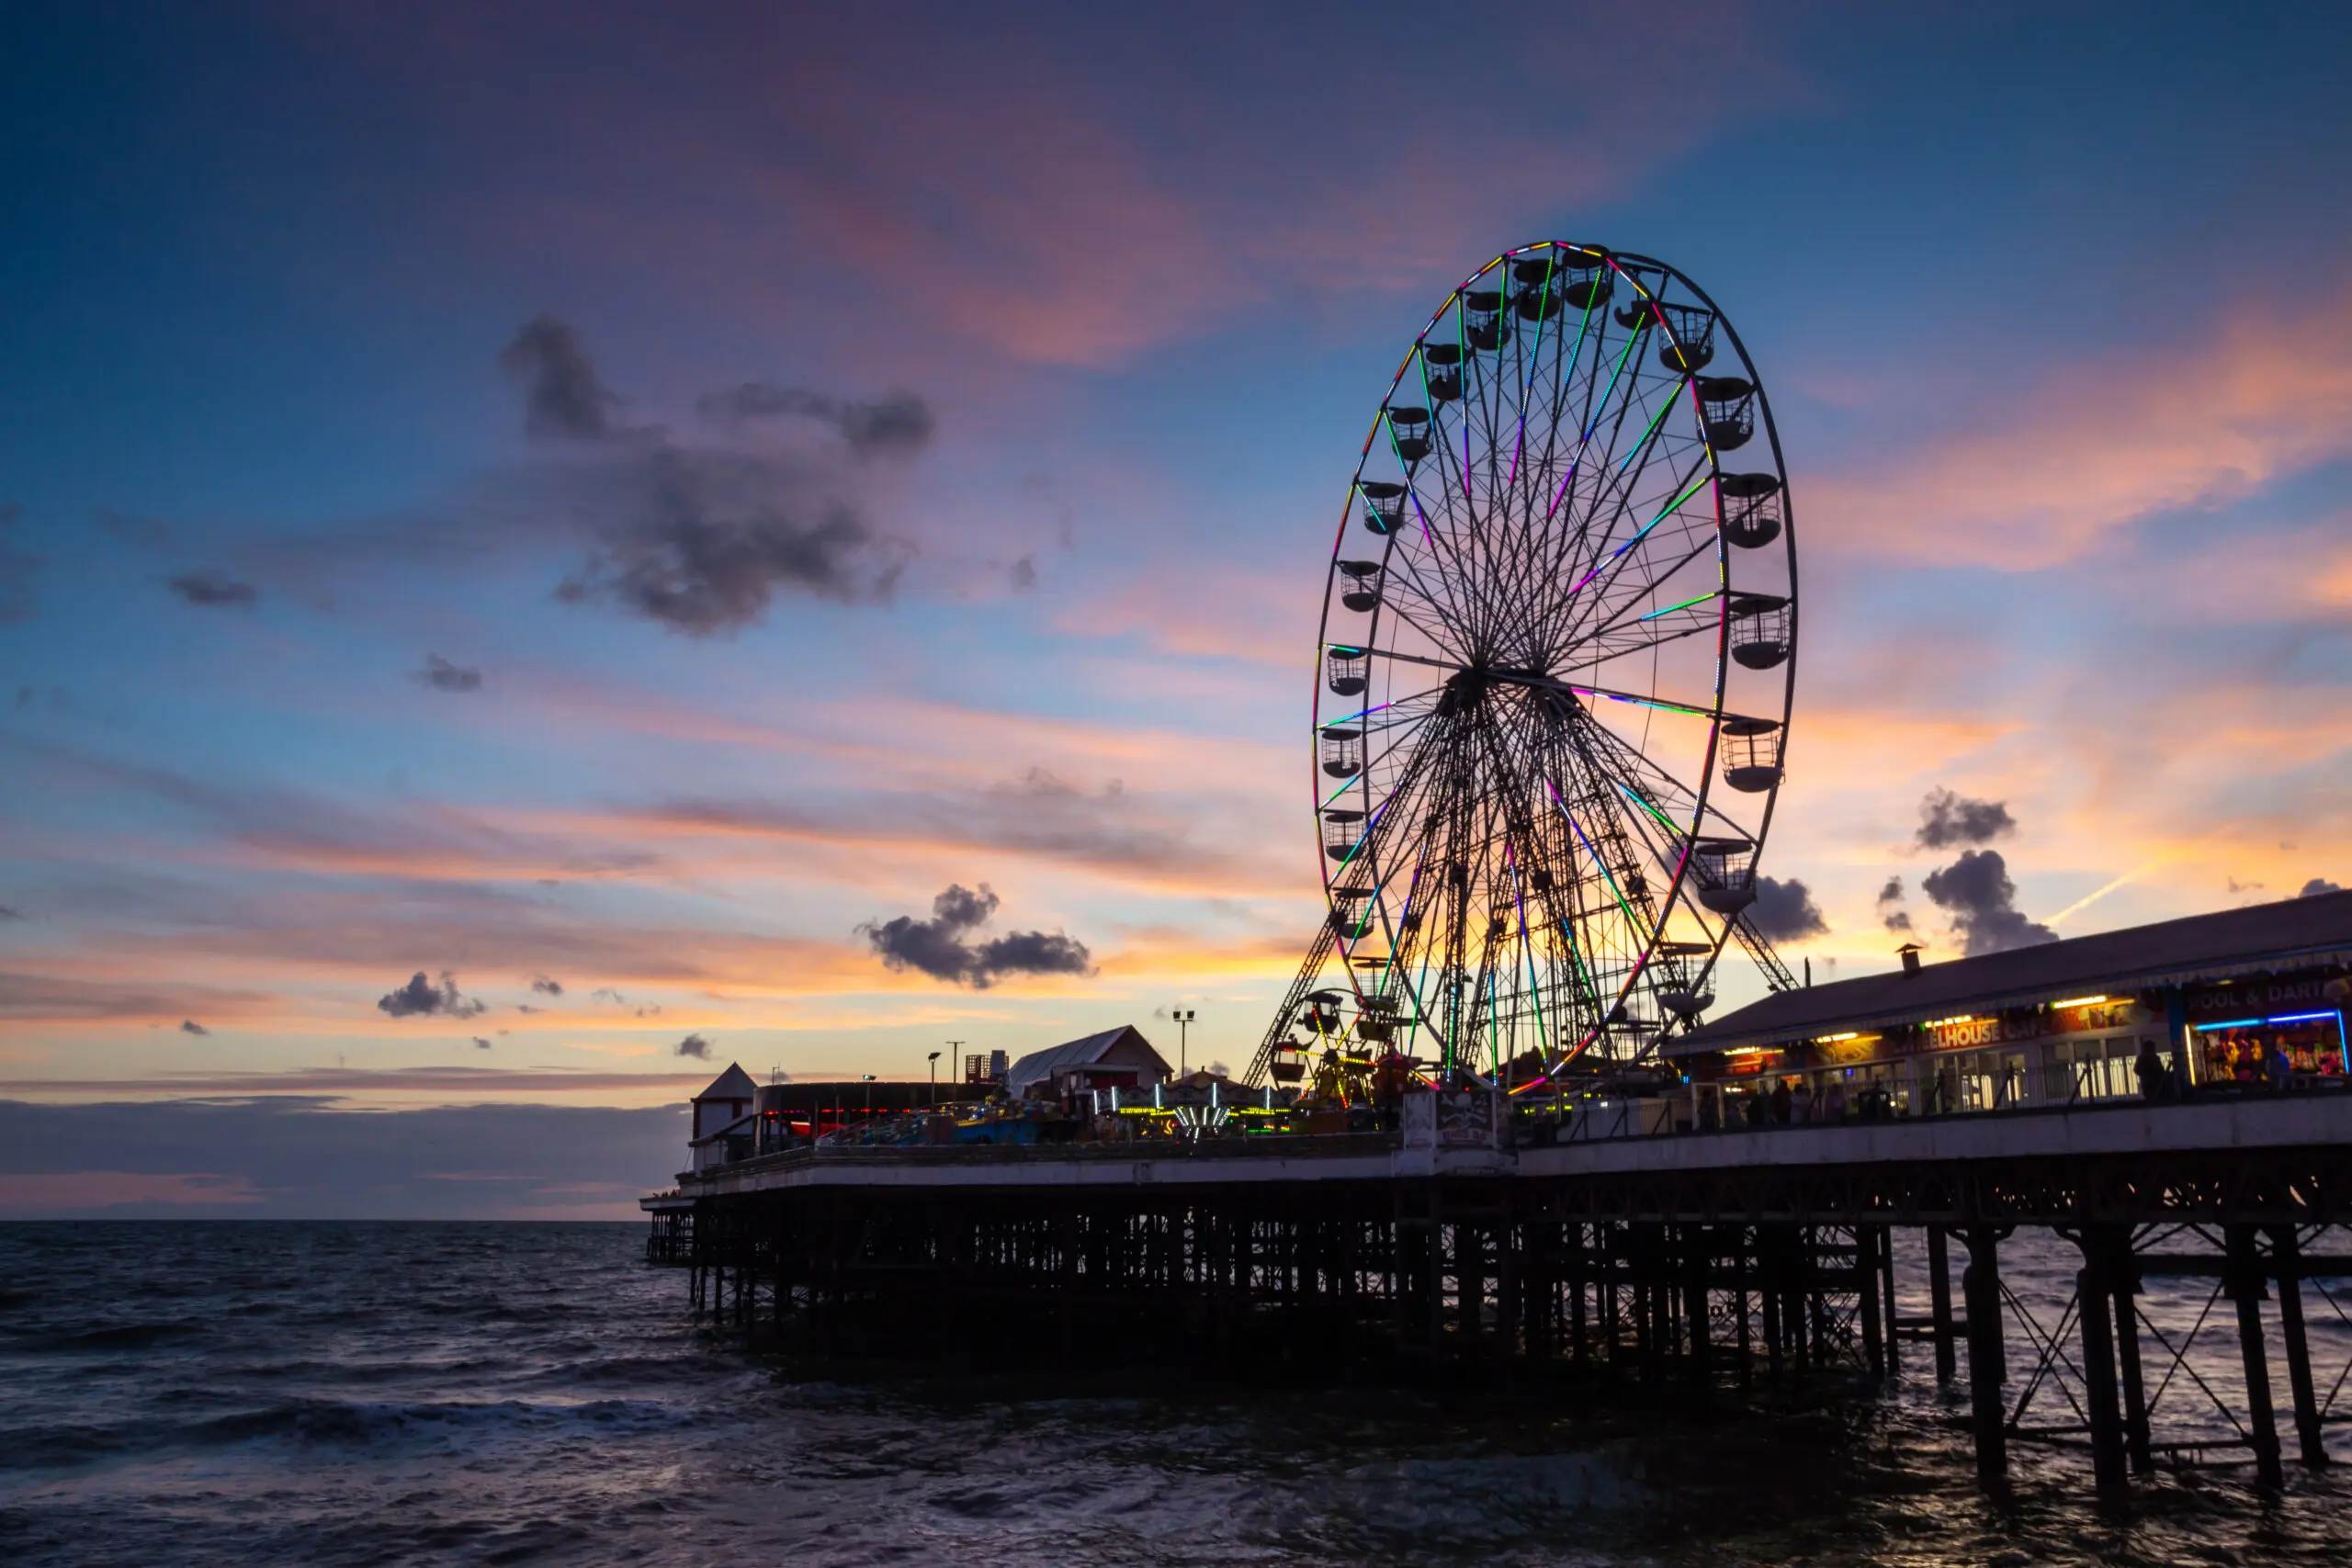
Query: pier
2170	1106
1686	1259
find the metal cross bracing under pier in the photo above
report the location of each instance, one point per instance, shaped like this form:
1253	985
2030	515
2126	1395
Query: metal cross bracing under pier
1353	1264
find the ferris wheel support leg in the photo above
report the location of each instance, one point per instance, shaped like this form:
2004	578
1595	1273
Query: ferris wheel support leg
1309	972
1776	974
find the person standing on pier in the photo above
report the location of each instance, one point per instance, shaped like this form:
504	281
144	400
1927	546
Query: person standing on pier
1781	1102
2152	1072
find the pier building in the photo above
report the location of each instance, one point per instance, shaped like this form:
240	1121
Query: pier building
2238	997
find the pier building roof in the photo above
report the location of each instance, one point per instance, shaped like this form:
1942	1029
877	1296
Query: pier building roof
1123	1046
2294	933
732	1083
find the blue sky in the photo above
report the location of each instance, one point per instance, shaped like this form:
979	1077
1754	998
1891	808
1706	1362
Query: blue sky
2051	304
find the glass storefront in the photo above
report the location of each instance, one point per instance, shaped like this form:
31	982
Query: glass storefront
2239	1050
2284	1030
2102	1067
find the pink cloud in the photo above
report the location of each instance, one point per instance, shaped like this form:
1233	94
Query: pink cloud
28	1194
2099	446
980	175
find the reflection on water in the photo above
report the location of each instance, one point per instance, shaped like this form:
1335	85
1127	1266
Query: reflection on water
348	1393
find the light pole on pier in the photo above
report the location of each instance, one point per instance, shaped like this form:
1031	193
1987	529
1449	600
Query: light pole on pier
1182	1018
934	1095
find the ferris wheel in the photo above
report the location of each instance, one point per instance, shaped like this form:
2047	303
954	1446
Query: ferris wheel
1552	681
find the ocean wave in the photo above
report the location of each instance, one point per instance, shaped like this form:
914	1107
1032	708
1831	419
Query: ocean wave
319	1426
113	1338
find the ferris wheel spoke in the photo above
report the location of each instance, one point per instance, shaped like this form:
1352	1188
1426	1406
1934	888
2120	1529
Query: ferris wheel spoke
1596	528
1607	569
1647	590
1455	512
1600	653
1488	533
1436	634
1650	780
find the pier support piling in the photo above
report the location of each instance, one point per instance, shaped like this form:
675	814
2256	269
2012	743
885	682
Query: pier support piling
2287	1254
1940	1302
1979	1287
2123	1282
2246	1288
2095	1298
1878	1339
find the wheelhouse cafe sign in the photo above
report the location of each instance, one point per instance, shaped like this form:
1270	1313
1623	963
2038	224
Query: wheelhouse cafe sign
1970	1032
2253	999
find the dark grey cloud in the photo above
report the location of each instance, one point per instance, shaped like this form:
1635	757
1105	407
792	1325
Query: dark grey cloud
148	533
942	947
2317	886
546	985
211	588
479	1044
19	570
935	946
607	994
190	1026
695	1045
702	539
1023	574
1949	821
897	424
1030	952
707	540
443	676
1977	892
563	397
1784	912
701	536
1890	900
420	998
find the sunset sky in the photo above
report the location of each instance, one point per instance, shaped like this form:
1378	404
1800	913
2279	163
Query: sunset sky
596	505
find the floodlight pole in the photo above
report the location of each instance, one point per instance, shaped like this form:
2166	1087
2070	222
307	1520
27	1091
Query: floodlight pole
1182	1018
932	1097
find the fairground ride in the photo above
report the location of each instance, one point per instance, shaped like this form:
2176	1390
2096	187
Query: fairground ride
1553	685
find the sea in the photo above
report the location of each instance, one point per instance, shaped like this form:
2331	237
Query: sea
377	1393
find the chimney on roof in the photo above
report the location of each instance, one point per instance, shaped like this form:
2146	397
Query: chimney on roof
1910	952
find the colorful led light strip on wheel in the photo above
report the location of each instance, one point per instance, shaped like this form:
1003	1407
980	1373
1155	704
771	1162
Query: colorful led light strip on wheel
1644	802
1702	599
1518	893
1704	478
1658	703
